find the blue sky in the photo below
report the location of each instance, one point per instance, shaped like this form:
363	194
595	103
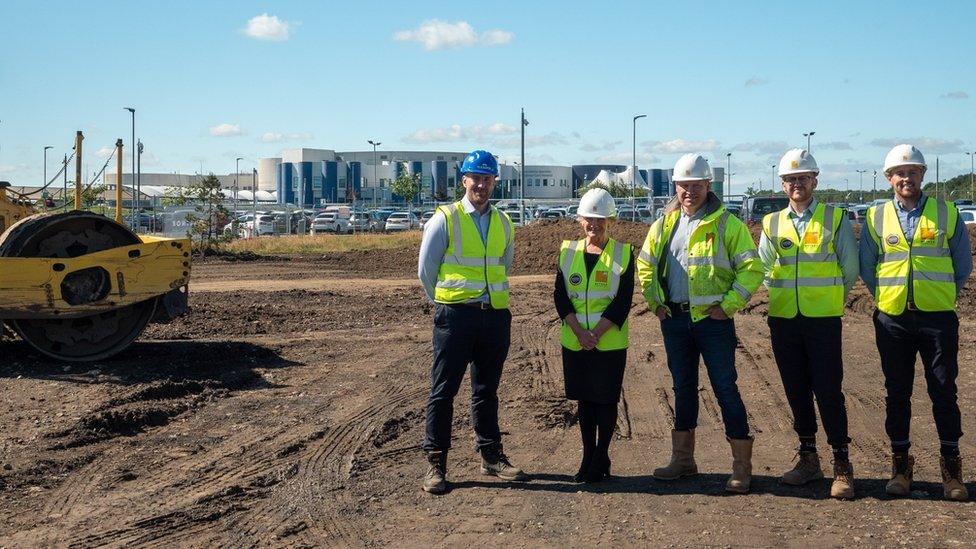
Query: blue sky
212	81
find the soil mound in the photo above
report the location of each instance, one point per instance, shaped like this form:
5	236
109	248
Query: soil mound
537	245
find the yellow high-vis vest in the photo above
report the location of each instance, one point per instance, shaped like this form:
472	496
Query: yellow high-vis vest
471	267
806	277
723	265
925	259
592	292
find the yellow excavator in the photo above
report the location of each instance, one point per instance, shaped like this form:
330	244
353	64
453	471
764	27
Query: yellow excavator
79	286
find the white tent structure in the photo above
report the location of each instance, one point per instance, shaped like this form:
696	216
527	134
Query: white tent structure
623	178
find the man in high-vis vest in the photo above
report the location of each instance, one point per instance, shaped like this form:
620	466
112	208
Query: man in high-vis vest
465	254
698	266
915	258
809	253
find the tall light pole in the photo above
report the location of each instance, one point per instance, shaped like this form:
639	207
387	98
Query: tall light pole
237	172
133	166
772	179
376	184
874	186
522	124
45	164
972	187
633	173
139	174
860	179
728	192
808	136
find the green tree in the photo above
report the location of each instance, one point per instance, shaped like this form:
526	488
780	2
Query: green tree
209	214
406	185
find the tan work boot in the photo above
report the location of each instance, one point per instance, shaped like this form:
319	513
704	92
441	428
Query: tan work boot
807	469
741	466
494	462
843	485
953	487
682	457
435	481
901	475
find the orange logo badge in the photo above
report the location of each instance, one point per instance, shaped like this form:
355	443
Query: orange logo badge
811	238
601	277
927	233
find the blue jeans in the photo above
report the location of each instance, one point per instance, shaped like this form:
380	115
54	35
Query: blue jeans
714	341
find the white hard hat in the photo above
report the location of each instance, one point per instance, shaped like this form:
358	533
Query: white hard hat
797	161
597	202
904	155
691	167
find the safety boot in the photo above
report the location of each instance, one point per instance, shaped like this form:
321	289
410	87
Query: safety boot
901	475
807	469
435	481
682	457
741	477
843	485
953	487
494	462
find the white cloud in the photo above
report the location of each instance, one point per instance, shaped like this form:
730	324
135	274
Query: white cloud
105	152
763	147
435	34
549	139
643	159
835	146
926	144
955	95
274	137
457	132
605	146
226	130
267	27
676	146
755	81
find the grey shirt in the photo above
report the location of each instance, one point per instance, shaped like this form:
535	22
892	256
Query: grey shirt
677	254
962	259
434	245
845	245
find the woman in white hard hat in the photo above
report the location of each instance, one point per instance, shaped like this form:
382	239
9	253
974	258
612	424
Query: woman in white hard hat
593	294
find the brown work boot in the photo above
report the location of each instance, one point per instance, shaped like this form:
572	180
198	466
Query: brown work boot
741	466
807	469
901	475
494	462
435	481
843	485
953	487
682	457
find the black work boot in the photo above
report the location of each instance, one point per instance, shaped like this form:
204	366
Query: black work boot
494	462
435	481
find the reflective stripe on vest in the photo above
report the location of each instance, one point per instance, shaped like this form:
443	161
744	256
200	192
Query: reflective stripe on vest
925	260
806	277
470	266
591	295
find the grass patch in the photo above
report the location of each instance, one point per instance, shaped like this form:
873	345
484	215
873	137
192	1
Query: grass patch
326	243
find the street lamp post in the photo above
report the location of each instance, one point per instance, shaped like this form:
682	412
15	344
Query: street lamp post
522	124
45	165
133	167
237	173
874	186
633	173
772	179
375	181
728	172
808	136
860	179
972	188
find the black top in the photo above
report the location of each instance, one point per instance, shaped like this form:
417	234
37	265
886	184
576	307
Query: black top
619	307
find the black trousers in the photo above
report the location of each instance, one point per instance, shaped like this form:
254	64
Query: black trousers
466	335
808	354
934	336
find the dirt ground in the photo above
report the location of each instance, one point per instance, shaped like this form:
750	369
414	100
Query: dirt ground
286	409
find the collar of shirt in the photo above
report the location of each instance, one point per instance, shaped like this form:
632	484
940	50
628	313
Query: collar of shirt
469	207
916	210
695	216
806	213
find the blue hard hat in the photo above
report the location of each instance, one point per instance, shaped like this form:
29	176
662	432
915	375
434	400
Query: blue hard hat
480	161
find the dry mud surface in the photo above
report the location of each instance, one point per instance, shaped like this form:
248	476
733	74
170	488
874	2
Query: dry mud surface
287	409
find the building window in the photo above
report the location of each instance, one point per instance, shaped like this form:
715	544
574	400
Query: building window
382	157
440	158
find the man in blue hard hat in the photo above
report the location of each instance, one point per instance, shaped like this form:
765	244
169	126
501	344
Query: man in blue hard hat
465	255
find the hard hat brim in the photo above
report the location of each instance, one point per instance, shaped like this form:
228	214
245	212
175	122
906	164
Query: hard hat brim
794	172
482	172
690	179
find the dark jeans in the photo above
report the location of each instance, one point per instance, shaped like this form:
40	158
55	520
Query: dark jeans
714	341
936	337
466	335
808	354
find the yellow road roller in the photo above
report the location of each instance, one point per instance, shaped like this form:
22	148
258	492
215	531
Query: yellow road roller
79	286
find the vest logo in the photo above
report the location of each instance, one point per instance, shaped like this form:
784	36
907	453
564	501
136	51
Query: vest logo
927	233
786	243
709	238
892	239
811	238
575	279
601	277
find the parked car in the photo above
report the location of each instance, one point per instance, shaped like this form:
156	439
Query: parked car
265	226
758	207
364	222
330	222
968	216
516	217
401	221
425	217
